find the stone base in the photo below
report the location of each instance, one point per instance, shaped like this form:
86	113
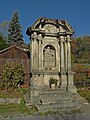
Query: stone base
72	89
56	100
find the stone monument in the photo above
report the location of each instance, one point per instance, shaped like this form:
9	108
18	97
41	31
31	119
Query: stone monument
50	59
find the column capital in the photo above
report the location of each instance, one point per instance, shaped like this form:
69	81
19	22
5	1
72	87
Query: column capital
34	36
62	39
39	37
68	38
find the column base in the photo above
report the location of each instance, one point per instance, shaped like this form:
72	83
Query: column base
72	89
63	79
64	88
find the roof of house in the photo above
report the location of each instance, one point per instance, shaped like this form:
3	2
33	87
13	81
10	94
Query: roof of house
12	47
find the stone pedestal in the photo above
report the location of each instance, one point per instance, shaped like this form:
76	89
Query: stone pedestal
71	87
63	80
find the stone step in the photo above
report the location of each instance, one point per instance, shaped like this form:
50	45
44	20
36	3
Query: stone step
56	101
55	98
50	100
60	96
57	107
44	96
50	91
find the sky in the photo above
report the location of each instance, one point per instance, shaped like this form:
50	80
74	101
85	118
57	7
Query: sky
76	12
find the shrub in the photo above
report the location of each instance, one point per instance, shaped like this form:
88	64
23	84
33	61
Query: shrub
13	74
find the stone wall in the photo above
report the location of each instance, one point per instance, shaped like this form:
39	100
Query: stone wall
9	100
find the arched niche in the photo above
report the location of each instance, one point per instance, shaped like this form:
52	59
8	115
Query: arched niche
49	57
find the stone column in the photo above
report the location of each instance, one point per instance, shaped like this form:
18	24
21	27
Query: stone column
69	53
40	52
35	52
62	58
31	69
39	55
65	55
62	53
71	87
59	66
31	54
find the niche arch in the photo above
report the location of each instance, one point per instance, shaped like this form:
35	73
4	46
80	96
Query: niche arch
49	57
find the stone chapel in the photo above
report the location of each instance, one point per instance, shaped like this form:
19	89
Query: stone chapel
50	58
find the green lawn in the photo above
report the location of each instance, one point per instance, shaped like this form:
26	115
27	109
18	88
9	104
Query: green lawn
85	94
16	109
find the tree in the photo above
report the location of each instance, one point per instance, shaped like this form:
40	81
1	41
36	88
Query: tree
4	28
81	49
73	49
3	42
13	75
15	30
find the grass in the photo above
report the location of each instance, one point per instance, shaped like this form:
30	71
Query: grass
85	94
15	108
